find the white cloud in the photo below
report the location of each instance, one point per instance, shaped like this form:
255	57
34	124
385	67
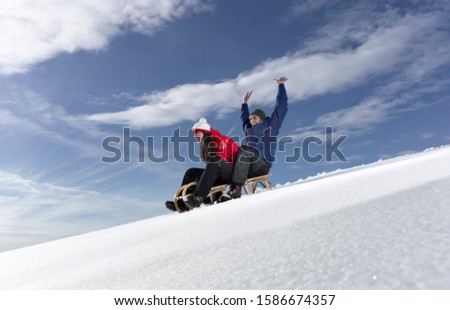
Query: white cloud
385	49
34	31
358	118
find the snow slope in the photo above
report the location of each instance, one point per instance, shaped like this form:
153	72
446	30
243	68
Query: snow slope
381	226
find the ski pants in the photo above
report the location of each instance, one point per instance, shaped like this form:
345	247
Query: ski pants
214	174
249	164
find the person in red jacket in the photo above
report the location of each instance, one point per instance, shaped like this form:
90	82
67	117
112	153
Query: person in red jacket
219	152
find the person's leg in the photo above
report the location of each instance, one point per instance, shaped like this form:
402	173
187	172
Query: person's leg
225	174
258	168
192	175
215	173
224	177
246	156
207	179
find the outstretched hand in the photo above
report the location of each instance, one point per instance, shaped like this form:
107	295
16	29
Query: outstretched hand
281	80
247	96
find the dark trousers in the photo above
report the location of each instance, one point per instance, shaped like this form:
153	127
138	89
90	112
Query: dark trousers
215	173
248	165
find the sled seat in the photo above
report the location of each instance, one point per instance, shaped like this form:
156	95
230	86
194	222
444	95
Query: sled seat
249	187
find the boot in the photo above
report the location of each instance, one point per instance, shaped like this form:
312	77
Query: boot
193	201
217	197
224	197
235	191
171	206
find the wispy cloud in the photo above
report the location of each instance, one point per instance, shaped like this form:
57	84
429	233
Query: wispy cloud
36	124
302	7
366	115
32	212
26	114
399	45
38	30
427	135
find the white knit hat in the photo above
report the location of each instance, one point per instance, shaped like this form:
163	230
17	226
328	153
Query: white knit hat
201	126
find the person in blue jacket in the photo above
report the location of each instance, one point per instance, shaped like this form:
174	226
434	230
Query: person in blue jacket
257	153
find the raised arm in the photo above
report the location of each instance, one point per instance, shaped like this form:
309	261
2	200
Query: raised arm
281	106
245	114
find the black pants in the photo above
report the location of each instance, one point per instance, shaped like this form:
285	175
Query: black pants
248	165
215	173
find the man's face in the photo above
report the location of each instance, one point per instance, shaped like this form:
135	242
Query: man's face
198	135
254	120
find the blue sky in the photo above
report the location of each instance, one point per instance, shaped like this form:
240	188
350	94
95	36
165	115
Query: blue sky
73	73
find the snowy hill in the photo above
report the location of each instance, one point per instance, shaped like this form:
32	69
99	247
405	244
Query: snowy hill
381	226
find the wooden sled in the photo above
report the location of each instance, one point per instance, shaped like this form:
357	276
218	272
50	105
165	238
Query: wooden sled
249	187
250	184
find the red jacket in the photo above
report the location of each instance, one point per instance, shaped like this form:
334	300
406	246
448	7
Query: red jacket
227	149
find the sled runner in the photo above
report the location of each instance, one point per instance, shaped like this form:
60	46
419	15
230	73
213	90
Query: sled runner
249	187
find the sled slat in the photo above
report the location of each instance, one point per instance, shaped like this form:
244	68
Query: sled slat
250	184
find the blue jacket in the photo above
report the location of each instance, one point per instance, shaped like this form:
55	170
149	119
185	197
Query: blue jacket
263	136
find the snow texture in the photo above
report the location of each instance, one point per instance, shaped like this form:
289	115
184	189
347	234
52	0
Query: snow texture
380	226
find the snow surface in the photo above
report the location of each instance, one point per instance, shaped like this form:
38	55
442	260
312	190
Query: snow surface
381	226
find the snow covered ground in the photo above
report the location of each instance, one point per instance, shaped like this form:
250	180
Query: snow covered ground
380	226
